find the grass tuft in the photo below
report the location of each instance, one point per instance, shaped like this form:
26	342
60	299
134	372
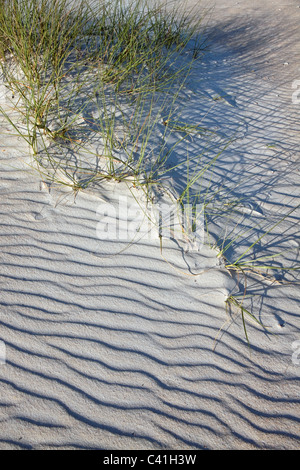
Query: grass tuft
94	88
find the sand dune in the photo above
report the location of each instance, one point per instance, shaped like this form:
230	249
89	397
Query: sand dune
110	347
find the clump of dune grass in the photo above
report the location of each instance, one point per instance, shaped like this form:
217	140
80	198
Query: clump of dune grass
60	59
94	89
41	58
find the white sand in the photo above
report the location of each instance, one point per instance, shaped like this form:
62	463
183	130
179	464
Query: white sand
116	351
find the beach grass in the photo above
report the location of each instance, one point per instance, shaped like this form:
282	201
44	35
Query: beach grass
59	59
94	90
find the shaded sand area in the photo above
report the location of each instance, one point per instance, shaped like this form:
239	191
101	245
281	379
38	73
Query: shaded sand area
109	346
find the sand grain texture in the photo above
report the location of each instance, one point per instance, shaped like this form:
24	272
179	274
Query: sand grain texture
115	351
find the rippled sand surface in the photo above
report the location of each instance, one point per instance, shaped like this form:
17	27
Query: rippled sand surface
109	346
